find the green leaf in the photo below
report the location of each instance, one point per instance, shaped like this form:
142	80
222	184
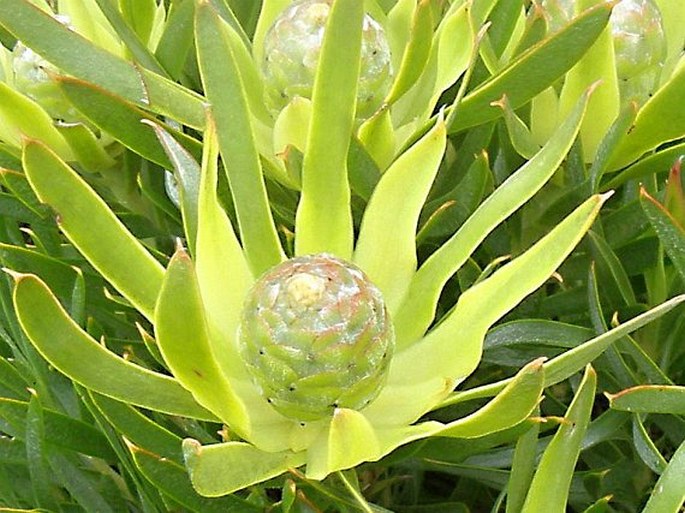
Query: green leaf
176	41
416	53
377	135
670	232
349	441
35	454
172	479
419	306
93	228
77	56
607	259
668	494
224	468
511	406
451	351
650	399
136	427
660	120
596	66
386	247
122	120
132	26
59	430
21	117
521	137
226	91
659	161
88	149
14	383
645	448
446	63
187	173
180	320
79	485
550	486
74	353
534	70
522	469
267	15
324	217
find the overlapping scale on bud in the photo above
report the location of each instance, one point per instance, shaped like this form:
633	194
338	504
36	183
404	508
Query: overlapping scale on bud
316	335
292	47
35	78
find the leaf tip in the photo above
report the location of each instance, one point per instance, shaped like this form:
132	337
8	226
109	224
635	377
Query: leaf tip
191	449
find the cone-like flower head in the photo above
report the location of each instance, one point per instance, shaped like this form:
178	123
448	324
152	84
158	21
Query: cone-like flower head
291	53
316	335
640	45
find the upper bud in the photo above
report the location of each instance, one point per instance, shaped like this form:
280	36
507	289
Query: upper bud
292	47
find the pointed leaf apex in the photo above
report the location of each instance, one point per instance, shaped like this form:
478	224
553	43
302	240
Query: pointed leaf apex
191	448
16	276
605	196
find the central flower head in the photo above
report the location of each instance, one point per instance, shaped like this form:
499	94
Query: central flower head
316	335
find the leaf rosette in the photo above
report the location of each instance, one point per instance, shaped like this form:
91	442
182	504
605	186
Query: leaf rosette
212	314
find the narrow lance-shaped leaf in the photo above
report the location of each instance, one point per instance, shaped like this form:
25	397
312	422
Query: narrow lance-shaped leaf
183	339
187	172
416	53
552	480
122	120
650	399
596	65
534	70
522	468
418	308
74	353
670	232
36	452
668	494
229	105
60	430
386	247
268	13
138	428
353	439
511	406
93	228
324	217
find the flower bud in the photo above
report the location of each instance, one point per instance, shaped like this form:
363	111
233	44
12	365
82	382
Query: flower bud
291	53
316	335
